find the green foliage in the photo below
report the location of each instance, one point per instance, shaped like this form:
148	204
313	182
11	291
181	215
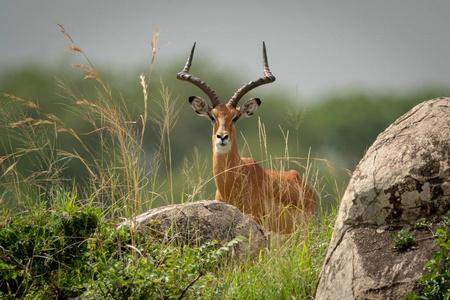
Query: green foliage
289	270
436	284
403	241
43	250
57	253
67	251
422	223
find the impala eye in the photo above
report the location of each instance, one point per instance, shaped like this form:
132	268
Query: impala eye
212	118
236	118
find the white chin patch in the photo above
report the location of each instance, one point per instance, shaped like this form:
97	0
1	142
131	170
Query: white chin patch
222	148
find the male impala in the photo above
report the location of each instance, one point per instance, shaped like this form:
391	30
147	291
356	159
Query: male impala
276	199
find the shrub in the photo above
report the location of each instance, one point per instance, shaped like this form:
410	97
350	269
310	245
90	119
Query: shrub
51	254
436	284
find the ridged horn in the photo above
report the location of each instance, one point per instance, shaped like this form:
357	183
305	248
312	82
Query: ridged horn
268	78
184	75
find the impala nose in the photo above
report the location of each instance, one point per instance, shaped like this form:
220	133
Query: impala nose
222	137
222	142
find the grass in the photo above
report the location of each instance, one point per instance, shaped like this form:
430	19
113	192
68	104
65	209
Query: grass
58	234
289	270
67	251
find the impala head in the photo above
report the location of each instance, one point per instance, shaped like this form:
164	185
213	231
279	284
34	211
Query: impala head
225	116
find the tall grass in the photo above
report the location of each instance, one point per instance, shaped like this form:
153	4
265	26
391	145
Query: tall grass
122	180
111	152
289	270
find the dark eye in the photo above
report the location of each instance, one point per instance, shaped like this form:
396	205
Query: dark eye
212	118
235	119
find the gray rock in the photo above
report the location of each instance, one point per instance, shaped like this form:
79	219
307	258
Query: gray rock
404	177
205	221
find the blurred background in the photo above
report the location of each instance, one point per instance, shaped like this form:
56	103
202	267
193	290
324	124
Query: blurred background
345	69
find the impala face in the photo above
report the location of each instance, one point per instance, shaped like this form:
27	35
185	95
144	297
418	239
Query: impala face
224	118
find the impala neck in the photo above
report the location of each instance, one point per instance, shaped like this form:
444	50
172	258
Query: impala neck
223	162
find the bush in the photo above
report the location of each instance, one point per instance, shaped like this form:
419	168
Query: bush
436	284
61	254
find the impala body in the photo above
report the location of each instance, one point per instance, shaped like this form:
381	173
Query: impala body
276	199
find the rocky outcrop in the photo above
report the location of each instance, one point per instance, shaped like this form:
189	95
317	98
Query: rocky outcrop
204	221
404	177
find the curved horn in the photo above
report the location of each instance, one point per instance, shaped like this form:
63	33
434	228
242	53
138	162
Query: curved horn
268	78
184	75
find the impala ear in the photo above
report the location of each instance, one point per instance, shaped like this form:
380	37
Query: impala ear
200	106
249	107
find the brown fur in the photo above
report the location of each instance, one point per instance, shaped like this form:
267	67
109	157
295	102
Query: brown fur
276	199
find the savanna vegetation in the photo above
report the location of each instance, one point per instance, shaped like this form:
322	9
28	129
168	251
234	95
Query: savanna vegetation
82	149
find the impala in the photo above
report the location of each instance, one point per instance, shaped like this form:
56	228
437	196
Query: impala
275	199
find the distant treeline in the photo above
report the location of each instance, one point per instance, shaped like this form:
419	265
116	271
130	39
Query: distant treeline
338	128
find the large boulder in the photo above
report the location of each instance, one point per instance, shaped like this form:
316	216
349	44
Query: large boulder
205	221
403	178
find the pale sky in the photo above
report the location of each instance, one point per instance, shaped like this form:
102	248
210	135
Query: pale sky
313	47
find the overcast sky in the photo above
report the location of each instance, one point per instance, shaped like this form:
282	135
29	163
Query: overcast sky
313	46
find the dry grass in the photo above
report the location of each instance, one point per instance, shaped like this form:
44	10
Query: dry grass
117	179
